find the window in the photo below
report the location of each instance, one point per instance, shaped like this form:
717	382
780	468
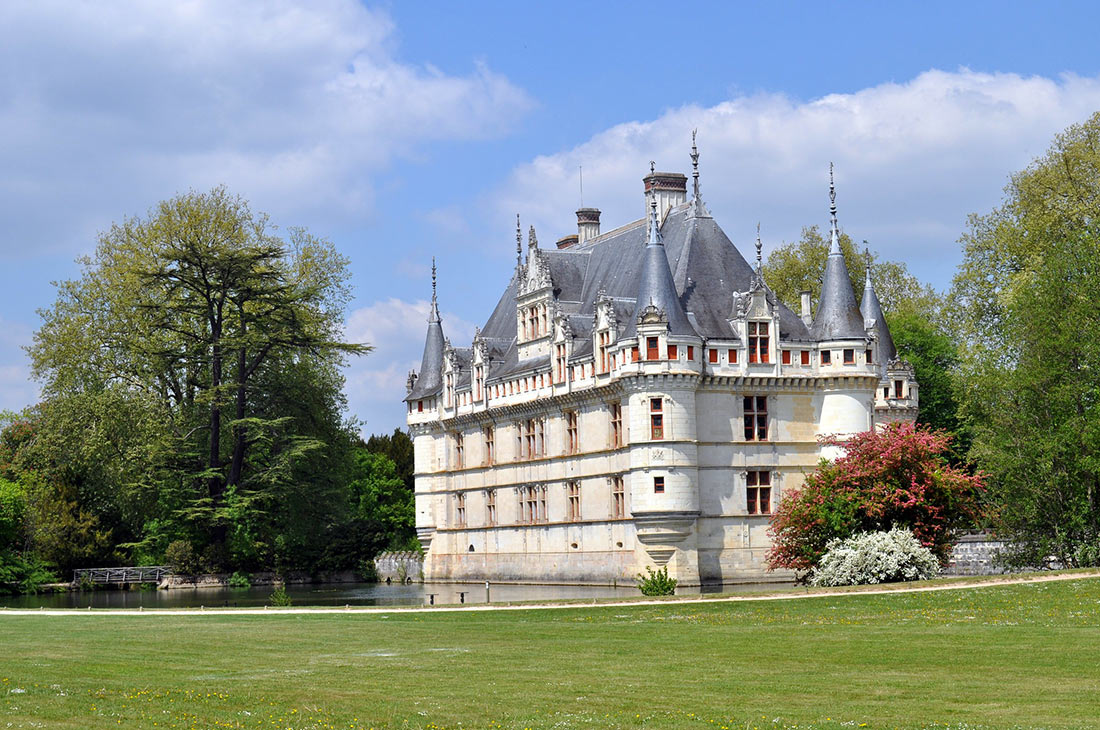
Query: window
574	502
604	343
519	441
459	451
712	355
634	354
559	359
869	357
691	353
658	485
651	351
616	425
529	504
826	357
786	357
571	432
618	498
540	515
805	357
756	418
758	492
849	356
529	438
758	342
672	353
460	510
420	406
656	419
479	381
491	507
490	446
731	356
886	392
897	388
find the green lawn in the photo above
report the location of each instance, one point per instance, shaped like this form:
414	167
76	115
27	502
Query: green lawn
997	657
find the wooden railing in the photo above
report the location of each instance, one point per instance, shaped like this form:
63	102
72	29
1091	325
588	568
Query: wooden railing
142	574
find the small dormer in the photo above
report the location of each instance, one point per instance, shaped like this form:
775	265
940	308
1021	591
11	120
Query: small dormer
756	322
451	371
479	367
604	333
898	397
562	344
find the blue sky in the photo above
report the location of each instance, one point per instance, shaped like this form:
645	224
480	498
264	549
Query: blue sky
406	130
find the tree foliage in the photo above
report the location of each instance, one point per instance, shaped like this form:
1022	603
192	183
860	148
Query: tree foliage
193	391
896	477
1025	309
383	500
799	266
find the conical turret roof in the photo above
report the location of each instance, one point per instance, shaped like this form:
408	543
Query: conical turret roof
838	317
430	380
656	287
872	315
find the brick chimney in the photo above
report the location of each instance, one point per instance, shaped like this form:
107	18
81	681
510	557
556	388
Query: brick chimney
669	188
588	224
567	241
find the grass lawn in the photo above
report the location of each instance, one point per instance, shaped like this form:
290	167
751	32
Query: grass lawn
997	657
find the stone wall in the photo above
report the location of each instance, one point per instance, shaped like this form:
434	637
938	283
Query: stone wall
400	566
974	554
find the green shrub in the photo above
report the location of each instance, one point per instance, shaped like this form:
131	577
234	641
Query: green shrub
367	571
240	579
279	596
875	557
657	583
182	557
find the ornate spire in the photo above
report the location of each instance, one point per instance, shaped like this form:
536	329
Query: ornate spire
835	244
433	313
759	255
532	242
654	230
519	243
871	310
694	165
867	263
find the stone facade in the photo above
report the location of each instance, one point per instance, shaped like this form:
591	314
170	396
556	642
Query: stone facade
638	399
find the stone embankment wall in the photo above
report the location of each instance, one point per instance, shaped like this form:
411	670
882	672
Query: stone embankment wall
214	580
400	566
975	554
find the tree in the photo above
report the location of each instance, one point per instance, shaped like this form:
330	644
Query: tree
399	448
383	501
796	267
215	346
897	477
1025	310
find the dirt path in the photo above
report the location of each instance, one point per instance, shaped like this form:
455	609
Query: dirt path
779	596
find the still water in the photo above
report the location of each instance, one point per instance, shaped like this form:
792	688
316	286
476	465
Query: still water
337	594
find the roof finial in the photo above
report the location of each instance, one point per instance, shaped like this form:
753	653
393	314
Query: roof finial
652	167
759	247
835	247
695	164
532	242
519	243
867	260
433	278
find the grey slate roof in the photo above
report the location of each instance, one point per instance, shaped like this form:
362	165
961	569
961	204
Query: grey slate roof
705	270
872	311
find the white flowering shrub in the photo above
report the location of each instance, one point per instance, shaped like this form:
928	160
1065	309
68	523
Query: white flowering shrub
874	557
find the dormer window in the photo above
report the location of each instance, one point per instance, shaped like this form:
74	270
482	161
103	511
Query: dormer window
602	345
758	342
651	350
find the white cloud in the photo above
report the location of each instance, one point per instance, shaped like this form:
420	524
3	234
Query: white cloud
396	329
913	159
297	106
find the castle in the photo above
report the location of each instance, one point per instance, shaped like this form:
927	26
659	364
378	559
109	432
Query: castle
639	398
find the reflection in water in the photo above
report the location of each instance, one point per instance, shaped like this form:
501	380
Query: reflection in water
340	594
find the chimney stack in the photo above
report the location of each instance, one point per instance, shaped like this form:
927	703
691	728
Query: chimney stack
588	224
807	317
669	189
567	241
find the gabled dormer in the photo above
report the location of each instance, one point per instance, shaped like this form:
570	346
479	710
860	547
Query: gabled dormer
451	371
479	367
534	302
755	317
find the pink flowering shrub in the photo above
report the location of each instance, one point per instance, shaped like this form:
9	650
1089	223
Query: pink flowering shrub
897	477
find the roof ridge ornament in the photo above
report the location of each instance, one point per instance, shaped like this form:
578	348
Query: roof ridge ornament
698	209
654	230
519	243
759	255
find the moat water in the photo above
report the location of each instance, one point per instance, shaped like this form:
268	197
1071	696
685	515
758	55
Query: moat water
341	594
